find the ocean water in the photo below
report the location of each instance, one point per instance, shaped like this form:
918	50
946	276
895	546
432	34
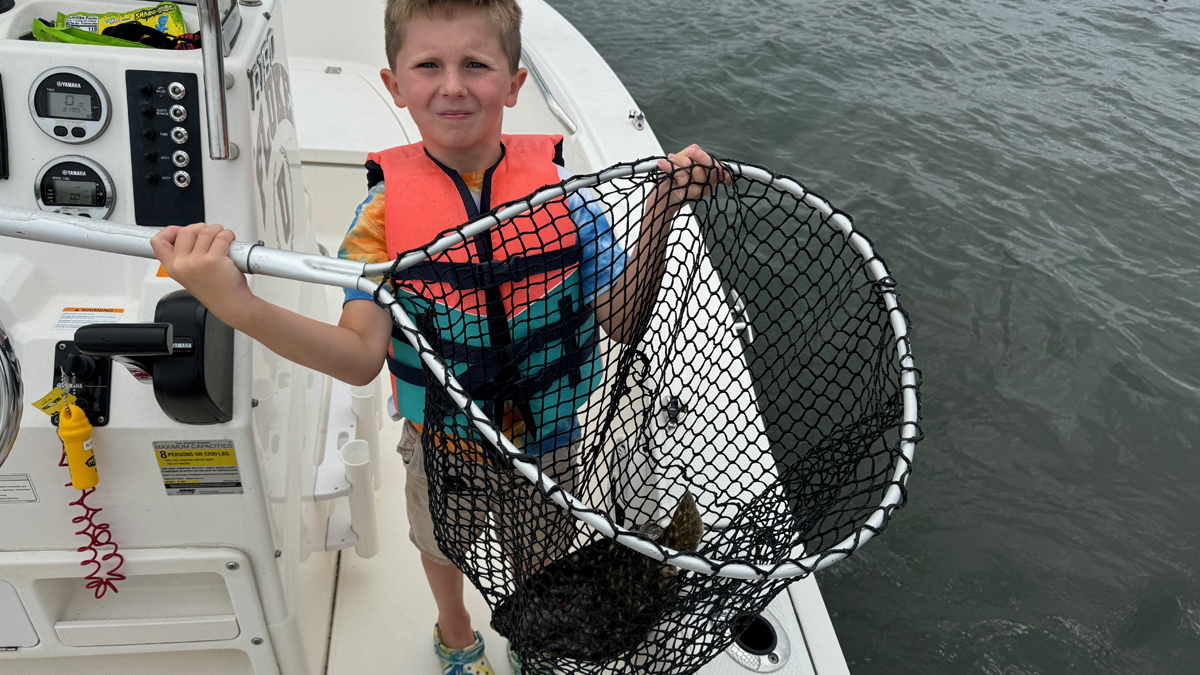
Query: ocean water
1030	171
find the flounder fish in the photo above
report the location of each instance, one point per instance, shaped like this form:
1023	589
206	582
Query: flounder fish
602	600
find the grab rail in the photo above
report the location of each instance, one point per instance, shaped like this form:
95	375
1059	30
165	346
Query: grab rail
212	48
10	396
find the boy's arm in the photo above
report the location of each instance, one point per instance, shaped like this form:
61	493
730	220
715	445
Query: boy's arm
623	310
197	256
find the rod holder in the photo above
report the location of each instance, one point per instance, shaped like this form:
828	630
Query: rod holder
213	51
10	396
356	455
365	403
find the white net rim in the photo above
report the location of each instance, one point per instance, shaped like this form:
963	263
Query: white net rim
876	270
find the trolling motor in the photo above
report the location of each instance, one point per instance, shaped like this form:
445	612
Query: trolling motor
186	354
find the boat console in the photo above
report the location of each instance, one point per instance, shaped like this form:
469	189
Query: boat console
207	527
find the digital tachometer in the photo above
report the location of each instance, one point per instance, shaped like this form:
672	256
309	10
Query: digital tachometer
76	186
69	105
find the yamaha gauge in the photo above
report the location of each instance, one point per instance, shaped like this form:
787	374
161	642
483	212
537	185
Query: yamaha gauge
75	186
69	104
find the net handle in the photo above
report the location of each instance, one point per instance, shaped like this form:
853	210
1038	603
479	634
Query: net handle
134	240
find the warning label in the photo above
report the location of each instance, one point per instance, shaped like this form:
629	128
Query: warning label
16	488
198	467
75	317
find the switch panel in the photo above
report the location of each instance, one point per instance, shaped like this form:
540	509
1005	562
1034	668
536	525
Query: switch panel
164	130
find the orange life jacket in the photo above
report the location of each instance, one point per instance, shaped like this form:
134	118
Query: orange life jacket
505	310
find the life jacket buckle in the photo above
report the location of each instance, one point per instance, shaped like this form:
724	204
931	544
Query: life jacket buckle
518	267
496	272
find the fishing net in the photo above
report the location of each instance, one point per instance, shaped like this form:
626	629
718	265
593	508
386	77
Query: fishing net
681	403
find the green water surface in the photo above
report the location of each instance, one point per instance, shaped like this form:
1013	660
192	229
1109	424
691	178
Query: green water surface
1031	173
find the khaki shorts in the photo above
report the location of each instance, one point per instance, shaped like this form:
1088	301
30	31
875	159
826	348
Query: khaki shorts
545	531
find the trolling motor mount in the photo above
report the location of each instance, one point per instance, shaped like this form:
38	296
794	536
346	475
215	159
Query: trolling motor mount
186	354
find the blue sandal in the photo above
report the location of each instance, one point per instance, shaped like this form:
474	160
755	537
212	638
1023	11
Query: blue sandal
466	661
514	660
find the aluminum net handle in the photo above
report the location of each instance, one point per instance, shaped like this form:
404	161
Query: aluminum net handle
909	432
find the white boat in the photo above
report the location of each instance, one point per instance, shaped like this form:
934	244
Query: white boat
291	558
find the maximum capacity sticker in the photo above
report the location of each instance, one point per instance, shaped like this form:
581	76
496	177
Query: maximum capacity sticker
198	467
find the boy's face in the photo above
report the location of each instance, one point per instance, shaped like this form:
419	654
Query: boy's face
454	78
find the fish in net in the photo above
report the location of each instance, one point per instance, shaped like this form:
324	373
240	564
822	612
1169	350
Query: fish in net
649	407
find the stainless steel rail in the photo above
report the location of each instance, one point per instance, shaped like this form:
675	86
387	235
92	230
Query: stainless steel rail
11	395
213	52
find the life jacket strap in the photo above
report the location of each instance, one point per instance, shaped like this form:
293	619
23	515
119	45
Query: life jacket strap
481	387
474	355
492	273
527	388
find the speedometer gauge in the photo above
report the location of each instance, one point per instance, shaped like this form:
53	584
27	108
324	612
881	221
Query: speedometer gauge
76	186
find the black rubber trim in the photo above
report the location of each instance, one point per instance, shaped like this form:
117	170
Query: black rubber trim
3	136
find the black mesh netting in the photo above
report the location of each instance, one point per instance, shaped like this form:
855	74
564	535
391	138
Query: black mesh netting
724	381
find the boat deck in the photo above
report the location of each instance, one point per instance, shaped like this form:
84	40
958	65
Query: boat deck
382	620
383	612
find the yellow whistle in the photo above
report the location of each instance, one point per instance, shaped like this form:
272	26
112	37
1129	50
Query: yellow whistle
76	433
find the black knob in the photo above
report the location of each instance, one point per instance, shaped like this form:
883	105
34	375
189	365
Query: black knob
150	155
147	110
149	133
145	88
80	365
152	178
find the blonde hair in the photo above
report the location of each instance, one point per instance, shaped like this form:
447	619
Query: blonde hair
505	15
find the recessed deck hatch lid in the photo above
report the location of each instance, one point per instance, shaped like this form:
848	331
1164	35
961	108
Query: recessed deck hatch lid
16	630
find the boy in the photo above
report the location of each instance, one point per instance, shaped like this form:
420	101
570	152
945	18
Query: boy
454	66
